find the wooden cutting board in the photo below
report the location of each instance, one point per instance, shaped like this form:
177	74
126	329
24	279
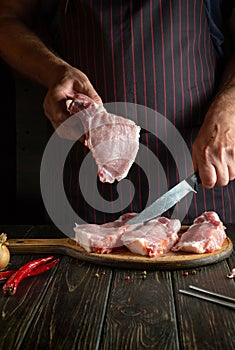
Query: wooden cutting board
122	257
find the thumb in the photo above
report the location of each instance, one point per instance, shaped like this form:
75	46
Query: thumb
97	99
89	90
94	96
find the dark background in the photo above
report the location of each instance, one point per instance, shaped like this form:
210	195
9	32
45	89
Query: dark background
23	139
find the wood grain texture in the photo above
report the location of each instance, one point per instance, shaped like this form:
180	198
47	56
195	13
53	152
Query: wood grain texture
73	309
140	313
17	312
201	323
121	257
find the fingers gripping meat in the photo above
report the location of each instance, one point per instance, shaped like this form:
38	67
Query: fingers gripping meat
112	140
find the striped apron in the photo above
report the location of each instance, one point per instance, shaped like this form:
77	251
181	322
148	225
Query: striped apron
157	54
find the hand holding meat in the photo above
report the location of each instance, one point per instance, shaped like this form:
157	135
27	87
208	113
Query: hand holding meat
214	147
64	85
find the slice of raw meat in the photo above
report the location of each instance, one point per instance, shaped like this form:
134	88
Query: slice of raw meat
152	239
206	235
112	140
104	238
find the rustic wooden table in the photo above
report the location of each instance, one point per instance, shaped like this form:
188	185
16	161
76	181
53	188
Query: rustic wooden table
70	307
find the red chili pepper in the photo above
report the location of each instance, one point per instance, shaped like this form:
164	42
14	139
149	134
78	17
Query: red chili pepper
4	275
43	268
31	268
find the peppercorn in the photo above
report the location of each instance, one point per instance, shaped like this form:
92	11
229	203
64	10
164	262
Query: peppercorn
127	278
186	273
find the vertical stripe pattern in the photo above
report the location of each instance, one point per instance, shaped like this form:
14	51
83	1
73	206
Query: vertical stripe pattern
155	53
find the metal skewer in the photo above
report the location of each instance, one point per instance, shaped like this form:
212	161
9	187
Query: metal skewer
213	293
218	298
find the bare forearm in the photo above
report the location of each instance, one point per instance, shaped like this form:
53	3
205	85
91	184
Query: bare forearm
214	148
25	52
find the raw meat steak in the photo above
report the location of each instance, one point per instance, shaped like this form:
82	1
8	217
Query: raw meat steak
206	235
154	238
112	140
102	238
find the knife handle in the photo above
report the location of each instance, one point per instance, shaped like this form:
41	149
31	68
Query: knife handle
194	180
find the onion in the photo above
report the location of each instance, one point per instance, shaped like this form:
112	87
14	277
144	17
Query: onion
4	251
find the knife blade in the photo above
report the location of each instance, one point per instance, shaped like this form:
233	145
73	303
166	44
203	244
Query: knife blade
167	200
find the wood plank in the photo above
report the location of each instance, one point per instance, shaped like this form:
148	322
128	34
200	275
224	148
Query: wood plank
140	313
143	306
121	257
18	311
202	324
72	312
